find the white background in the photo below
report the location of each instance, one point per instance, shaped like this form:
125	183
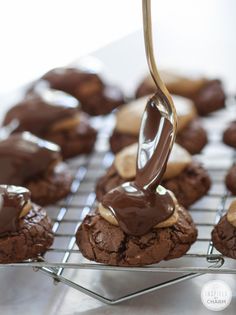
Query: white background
38	35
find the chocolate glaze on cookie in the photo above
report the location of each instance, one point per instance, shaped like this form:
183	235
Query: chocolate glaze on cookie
95	96
134	203
12	201
24	156
25	228
38	112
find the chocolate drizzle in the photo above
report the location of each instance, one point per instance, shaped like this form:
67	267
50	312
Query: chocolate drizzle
24	156
138	206
12	201
40	110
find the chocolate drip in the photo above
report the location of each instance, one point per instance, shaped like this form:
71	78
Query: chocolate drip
12	201
155	137
138	206
40	110
24	156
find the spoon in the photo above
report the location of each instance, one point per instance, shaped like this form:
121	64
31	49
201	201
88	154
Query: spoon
160	104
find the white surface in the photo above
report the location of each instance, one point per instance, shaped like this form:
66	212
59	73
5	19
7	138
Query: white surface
208	45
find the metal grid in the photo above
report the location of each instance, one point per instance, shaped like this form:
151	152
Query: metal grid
64	262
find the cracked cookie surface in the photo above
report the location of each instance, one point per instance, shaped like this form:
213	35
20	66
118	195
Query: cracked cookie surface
224	238
103	242
34	237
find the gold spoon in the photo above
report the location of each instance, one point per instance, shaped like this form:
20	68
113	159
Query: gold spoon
156	139
164	100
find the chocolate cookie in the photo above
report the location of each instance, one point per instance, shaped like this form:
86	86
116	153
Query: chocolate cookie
224	238
96	96
25	228
224	233
103	242
29	161
207	95
54	116
189	186
193	138
229	135
52	187
230	180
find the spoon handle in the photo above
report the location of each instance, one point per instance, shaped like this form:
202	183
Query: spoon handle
147	30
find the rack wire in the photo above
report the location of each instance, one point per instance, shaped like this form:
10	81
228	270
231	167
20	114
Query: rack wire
64	262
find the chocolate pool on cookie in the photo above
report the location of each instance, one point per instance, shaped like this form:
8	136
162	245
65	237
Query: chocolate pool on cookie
25	228
29	161
54	116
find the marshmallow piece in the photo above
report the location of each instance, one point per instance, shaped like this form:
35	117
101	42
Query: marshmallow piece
66	123
178	84
125	161
128	118
231	214
186	111
26	209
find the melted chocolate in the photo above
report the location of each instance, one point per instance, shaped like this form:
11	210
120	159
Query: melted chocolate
41	109
140	205
76	81
24	156
138	210
12	201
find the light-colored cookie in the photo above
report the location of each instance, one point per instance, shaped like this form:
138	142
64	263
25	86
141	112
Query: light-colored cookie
231	214
125	161
128	118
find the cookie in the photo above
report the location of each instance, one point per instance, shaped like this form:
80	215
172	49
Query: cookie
54	116
94	94
208	95
187	179
52	187
29	161
230	180
229	135
25	228
103	242
224	233
193	138
128	119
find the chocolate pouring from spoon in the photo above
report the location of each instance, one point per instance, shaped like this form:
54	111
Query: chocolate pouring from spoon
138	206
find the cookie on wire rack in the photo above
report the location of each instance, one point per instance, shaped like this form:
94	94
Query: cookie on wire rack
224	233
25	228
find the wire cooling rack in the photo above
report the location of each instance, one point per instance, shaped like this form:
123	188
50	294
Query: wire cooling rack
64	262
